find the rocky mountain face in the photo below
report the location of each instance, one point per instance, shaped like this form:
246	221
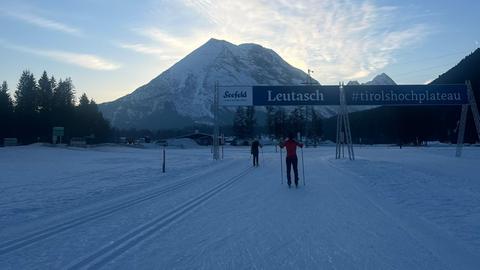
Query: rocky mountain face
183	95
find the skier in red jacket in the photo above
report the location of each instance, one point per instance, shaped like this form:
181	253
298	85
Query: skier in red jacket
291	145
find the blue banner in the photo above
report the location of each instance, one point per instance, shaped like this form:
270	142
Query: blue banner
296	95
442	94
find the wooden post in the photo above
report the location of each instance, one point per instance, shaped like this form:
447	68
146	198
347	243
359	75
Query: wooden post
473	106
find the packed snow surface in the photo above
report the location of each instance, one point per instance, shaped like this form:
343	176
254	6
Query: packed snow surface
113	208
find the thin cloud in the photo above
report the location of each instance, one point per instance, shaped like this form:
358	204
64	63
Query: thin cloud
87	61
167	46
160	36
141	48
158	52
339	39
42	22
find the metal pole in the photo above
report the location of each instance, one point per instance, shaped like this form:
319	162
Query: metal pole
163	165
473	106
346	140
339	127
303	167
263	158
216	154
281	166
222	143
461	129
346	122
349	134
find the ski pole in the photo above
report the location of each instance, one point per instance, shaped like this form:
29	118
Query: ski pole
263	158
281	165
303	167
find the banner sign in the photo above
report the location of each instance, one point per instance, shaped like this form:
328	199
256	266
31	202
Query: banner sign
445	94
442	94
295	95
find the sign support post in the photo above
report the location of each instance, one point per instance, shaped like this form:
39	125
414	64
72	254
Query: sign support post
473	106
463	119
338	143
216	154
344	134
461	129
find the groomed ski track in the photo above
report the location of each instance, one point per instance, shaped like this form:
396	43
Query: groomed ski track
234	216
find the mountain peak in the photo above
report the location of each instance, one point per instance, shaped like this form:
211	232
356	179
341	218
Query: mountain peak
353	83
184	92
381	79
217	41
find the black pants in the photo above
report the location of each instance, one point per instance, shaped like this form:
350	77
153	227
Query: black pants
292	161
255	159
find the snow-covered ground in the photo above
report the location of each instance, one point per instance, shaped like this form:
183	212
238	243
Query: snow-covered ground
112	207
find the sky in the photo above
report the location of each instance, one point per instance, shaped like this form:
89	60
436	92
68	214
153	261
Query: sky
111	47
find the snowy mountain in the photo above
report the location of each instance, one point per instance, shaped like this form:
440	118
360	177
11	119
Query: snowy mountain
381	79
183	94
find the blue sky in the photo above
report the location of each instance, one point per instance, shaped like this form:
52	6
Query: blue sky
111	47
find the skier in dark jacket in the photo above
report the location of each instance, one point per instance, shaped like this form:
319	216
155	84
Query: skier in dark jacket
254	152
292	161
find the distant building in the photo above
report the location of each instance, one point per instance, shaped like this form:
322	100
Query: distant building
199	138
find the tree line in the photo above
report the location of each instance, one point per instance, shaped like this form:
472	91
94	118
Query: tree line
279	122
39	105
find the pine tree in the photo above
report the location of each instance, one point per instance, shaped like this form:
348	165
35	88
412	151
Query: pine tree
45	91
280	123
6	112
250	122
240	123
26	95
45	102
89	121
6	103
53	84
26	109
316	125
63	107
271	120
101	126
296	120
83	101
64	95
